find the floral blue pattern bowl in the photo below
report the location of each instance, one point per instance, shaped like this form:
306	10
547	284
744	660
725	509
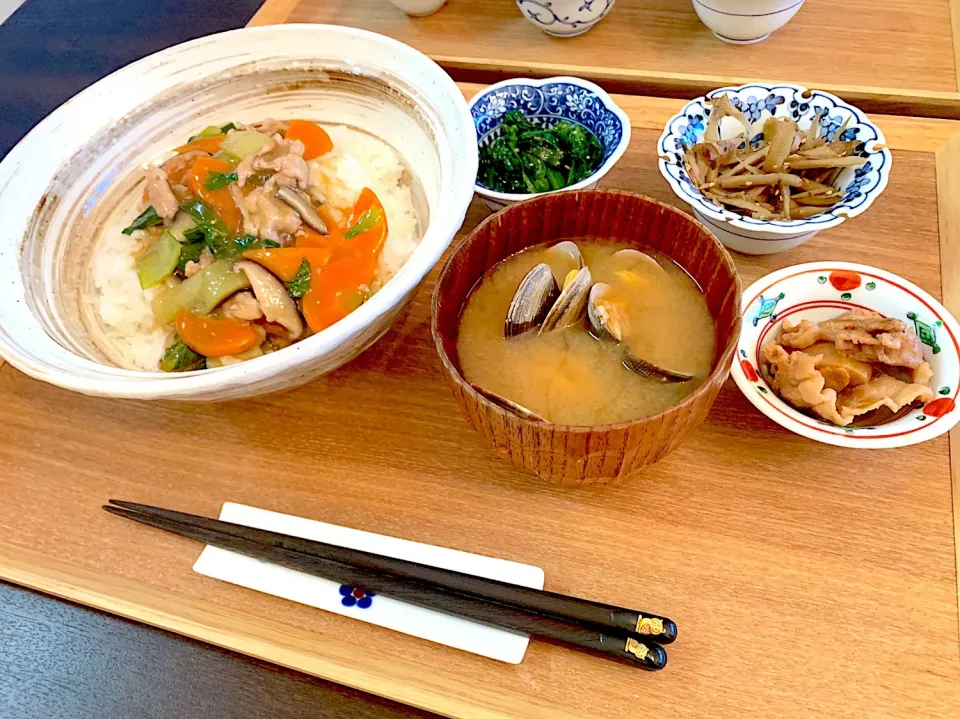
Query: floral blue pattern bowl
547	102
861	185
565	18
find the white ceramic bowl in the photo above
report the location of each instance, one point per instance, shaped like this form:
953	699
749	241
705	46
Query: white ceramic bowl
419	8
822	290
547	102
60	182
565	18
861	185
744	22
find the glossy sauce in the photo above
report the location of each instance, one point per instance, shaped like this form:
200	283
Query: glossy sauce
570	377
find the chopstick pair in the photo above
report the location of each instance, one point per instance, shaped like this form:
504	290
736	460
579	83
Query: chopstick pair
612	631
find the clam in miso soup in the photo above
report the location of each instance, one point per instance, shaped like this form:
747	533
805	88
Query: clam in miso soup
586	332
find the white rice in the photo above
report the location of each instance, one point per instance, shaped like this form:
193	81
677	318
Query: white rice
360	160
357	160
127	317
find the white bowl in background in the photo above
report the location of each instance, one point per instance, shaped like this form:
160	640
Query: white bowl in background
419	8
58	185
565	18
744	22
758	101
819	291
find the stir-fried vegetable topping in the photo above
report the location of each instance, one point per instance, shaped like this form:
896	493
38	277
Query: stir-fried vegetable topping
218	180
253	253
159	261
366	222
147	218
178	357
315	139
214	337
528	158
300	283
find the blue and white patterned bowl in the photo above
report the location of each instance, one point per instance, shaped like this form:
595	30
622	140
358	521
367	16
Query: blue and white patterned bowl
547	102
565	18
861	185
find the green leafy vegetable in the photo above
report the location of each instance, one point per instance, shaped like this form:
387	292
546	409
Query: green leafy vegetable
226	128
299	285
189	252
210	227
159	262
219	180
208	131
180	358
147	218
366	222
200	293
528	158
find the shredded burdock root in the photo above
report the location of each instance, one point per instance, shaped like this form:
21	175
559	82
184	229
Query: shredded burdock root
790	174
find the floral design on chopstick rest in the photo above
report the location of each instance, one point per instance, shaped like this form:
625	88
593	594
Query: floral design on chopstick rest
758	102
546	105
355	597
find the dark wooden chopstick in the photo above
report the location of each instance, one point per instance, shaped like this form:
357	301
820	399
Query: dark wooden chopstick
604	617
645	655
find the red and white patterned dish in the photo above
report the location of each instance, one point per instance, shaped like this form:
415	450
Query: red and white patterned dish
821	290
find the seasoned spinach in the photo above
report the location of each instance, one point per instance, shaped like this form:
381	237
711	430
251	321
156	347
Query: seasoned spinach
147	218
528	158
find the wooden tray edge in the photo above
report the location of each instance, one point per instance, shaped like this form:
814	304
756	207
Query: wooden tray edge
884	100
948	210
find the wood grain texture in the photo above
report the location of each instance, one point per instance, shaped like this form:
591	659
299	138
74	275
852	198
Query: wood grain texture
579	456
888	56
744	530
63	660
948	189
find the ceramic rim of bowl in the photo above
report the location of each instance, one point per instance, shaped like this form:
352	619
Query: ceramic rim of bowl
504	198
48	360
830	288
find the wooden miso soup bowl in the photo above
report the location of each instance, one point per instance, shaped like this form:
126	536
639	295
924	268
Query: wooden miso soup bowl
603	454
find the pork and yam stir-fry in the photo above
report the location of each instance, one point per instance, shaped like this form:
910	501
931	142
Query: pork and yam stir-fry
845	368
786	174
247	255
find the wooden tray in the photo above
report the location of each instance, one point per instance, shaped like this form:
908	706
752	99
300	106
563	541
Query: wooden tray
886	55
806	579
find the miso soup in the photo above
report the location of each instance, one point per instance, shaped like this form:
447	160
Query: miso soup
577	372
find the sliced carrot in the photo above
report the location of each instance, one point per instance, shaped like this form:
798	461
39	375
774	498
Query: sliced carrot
367	227
220	200
204	144
335	291
285	262
214	337
315	139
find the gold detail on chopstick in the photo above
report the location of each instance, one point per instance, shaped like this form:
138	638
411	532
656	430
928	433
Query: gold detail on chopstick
636	648
649	625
